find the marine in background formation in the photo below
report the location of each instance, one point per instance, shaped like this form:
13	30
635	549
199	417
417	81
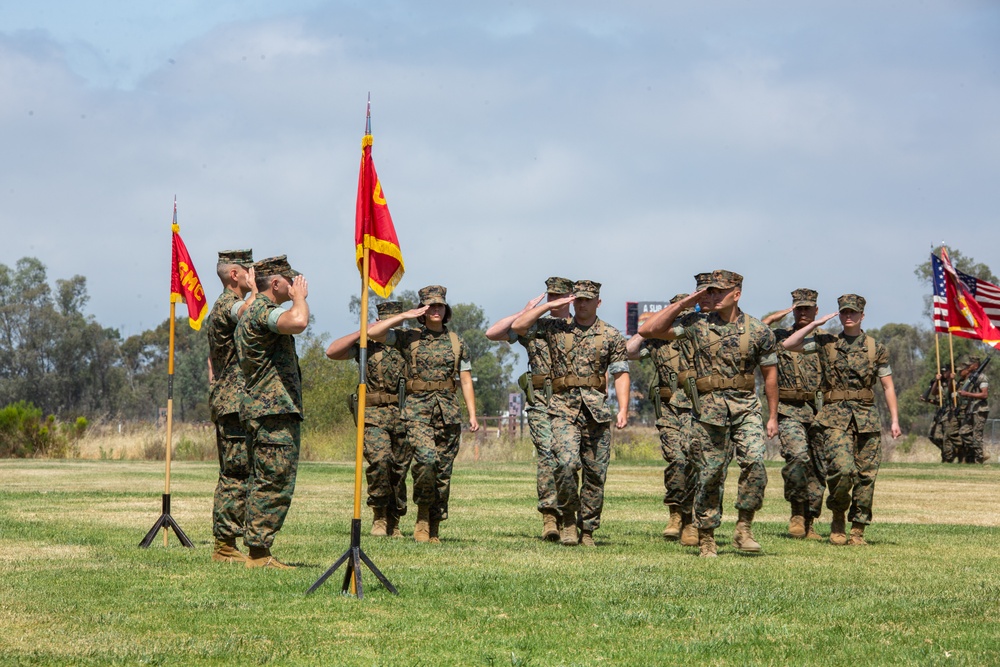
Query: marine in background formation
537	387
229	506
945	429
585	351
271	410
431	413
975	392
386	448
852	363
728	345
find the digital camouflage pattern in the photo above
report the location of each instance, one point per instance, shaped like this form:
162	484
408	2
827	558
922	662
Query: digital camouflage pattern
385	445
269	363
977	411
275	459
801	441
226	393
537	411
225	396
229	504
852	428
849	369
581	419
573	352
433	419
434	362
730	419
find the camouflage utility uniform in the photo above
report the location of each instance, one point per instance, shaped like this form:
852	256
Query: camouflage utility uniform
386	448
432	415
537	410
582	358
853	430
977	411
801	437
229	506
725	355
272	414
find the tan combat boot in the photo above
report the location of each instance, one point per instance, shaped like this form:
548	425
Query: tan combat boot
261	557
689	532
422	529
743	535
797	522
550	526
567	534
392	524
857	535
811	533
379	522
706	543
432	532
226	552
838	529
587	538
675	524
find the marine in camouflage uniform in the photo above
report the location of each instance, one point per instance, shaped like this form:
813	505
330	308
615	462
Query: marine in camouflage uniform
975	394
671	359
801	438
727	345
537	385
851	364
946	429
385	445
584	352
272	404
431	413
225	396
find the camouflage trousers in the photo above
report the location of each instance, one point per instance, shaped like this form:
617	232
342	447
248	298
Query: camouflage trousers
273	445
229	507
713	453
680	476
803	473
952	447
971	431
540	428
580	445
435	447
388	454
852	460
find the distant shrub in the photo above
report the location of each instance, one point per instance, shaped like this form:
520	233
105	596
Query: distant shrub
25	433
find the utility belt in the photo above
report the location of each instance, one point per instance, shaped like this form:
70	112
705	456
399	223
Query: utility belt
795	395
538	381
863	395
420	385
378	398
567	382
713	382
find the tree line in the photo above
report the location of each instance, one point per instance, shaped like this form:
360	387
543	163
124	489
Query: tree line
58	358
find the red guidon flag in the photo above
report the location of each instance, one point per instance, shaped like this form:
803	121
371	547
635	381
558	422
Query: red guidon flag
966	316
184	283
374	230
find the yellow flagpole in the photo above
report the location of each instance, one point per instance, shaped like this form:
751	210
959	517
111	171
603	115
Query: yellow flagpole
170	404
362	391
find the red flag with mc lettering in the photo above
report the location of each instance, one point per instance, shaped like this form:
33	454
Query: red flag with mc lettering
184	283
374	230
966	317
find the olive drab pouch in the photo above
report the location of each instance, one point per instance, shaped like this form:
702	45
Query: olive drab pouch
352	405
524	382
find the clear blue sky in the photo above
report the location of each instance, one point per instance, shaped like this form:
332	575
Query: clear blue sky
819	144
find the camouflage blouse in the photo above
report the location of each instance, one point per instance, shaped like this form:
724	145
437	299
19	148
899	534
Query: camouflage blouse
798	372
386	366
574	352
225	394
269	363
846	366
432	361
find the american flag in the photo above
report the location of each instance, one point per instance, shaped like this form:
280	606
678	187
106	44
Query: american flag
940	295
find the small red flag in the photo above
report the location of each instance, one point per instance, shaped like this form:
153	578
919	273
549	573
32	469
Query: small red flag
184	283
374	230
966	317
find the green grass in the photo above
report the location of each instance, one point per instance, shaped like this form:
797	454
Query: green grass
76	589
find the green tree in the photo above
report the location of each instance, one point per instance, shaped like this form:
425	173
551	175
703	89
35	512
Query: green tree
492	362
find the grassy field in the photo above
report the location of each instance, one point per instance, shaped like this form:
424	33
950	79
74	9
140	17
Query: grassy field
76	589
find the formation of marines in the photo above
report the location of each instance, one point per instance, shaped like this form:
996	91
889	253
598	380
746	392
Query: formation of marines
963	408
707	353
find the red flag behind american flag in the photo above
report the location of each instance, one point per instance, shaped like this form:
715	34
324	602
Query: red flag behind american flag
971	306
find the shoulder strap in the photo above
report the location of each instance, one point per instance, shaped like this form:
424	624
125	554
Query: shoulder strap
870	342
456	349
744	344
